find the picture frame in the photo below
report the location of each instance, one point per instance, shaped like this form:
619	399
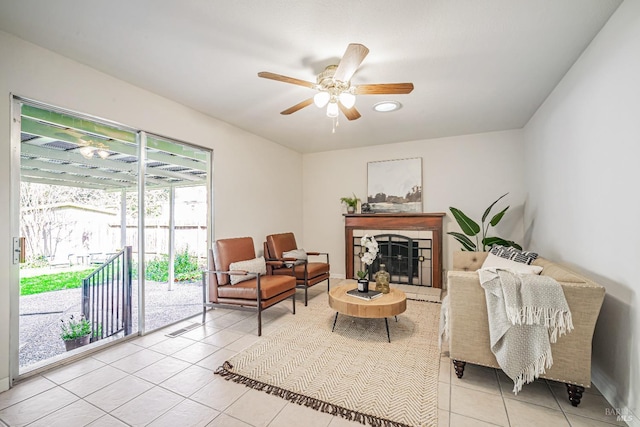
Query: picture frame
395	185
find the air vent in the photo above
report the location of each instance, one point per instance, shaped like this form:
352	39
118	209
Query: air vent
183	330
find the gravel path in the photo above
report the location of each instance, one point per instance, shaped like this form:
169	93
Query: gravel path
40	315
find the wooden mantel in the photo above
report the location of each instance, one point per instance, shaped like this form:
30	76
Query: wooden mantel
397	221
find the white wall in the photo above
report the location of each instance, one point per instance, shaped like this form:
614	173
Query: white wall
246	166
582	153
467	172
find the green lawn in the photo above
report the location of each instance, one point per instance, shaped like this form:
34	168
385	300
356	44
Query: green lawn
52	282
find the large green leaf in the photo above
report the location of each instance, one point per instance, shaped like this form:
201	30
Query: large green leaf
515	245
490	241
464	240
468	226
486	213
497	217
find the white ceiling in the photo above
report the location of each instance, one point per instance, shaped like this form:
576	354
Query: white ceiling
477	65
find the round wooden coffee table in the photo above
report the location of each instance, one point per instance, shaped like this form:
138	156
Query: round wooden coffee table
391	304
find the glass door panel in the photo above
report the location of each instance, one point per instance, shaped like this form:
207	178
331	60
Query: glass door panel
73	173
176	229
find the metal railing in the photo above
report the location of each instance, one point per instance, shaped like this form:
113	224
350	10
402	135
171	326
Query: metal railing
107	298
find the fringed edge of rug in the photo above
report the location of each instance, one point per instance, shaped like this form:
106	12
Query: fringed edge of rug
319	405
424	300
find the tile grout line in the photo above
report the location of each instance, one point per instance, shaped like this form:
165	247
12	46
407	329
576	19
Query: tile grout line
37	394
504	403
557	401
450	390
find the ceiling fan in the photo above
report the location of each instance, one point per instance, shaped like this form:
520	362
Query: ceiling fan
334	85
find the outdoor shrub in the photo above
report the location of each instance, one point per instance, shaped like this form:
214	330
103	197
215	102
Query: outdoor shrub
158	269
35	262
185	267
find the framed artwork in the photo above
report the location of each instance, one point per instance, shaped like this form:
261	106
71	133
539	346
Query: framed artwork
395	185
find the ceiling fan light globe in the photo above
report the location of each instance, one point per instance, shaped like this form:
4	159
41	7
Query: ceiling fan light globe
332	109
321	99
347	99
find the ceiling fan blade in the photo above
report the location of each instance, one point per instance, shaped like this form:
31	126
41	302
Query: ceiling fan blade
350	113
285	79
384	89
351	60
298	106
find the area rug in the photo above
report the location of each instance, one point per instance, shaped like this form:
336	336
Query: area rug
353	372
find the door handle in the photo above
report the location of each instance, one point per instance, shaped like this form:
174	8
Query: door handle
19	250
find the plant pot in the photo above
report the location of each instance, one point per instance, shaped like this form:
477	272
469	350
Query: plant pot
363	285
351	209
78	342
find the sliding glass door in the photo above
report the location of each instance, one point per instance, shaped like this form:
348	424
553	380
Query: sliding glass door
115	225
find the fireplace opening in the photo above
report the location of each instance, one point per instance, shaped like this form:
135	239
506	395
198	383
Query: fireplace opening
407	259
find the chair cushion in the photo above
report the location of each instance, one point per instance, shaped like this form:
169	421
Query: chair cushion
226	251
314	269
270	286
256	265
299	254
279	243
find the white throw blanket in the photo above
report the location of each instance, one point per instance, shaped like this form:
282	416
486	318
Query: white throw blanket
527	313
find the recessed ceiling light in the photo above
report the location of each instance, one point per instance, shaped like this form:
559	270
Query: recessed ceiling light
387	106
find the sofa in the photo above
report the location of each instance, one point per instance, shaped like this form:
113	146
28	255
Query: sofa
469	330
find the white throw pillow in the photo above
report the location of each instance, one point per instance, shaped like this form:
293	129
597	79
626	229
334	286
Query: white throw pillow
494	261
256	265
299	254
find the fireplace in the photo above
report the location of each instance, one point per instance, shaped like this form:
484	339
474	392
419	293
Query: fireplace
410	246
407	257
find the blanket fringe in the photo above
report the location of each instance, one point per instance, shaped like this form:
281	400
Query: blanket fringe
533	371
444	327
225	372
557	321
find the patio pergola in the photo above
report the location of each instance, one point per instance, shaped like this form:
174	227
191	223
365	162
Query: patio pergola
65	150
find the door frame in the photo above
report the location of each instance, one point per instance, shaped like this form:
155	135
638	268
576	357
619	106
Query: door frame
14	210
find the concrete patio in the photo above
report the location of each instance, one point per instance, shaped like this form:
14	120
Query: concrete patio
40	315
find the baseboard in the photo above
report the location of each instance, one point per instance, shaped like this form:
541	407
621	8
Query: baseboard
336	276
4	384
608	390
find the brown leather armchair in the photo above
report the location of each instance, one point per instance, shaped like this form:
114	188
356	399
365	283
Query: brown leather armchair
257	293
307	274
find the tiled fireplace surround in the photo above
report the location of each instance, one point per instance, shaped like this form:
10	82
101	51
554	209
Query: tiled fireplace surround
426	228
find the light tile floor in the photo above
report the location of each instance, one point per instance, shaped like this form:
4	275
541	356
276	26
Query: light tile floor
159	381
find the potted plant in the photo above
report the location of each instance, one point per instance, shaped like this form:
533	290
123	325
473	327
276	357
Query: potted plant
351	202
75	333
367	258
471	228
